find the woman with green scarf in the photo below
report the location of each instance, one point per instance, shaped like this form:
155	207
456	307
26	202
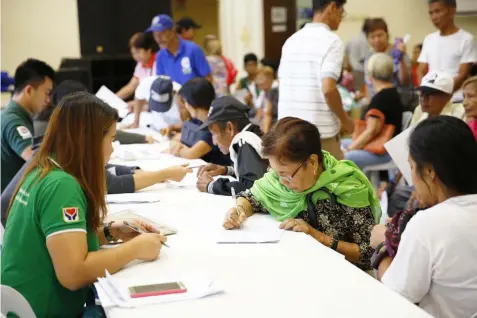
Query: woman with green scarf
312	192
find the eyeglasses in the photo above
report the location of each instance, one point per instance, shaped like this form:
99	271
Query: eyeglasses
289	179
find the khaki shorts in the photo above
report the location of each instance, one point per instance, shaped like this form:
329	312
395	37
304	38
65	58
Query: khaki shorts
333	146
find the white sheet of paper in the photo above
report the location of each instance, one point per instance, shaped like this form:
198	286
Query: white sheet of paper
398	149
139	197
112	293
250	236
148	132
129	215
384	207
113	100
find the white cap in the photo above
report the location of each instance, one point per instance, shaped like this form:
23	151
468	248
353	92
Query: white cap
437	81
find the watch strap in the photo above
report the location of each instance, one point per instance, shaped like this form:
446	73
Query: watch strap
107	232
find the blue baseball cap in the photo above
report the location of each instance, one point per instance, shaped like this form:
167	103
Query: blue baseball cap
161	22
160	99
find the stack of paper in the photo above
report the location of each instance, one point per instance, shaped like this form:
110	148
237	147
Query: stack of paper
112	294
136	152
250	236
129	215
133	198
190	180
113	100
148	132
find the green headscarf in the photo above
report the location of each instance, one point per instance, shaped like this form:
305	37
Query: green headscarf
342	178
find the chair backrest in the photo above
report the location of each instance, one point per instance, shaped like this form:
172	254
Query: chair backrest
2	230
14	302
406	120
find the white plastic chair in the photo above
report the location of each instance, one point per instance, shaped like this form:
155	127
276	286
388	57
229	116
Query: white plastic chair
2	231
14	302
373	171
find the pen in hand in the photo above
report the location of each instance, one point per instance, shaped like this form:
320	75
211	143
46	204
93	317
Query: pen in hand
139	230
234	197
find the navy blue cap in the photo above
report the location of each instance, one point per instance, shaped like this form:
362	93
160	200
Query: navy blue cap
226	108
161	96
161	22
187	22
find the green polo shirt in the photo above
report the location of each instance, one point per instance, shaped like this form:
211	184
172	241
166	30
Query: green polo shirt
42	208
17	132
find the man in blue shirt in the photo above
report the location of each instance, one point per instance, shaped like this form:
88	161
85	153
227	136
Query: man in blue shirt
179	59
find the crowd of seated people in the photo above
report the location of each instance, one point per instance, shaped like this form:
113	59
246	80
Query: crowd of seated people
282	138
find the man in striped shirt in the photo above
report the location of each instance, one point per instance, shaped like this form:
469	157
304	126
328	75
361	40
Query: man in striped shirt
310	67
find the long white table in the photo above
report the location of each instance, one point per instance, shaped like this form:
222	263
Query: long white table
298	277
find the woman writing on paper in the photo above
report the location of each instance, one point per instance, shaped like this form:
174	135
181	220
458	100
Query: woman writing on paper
50	251
312	192
119	179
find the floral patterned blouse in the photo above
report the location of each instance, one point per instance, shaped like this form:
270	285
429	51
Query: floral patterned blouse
352	225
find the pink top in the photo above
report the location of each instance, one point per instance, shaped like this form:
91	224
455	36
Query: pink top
473	127
145	70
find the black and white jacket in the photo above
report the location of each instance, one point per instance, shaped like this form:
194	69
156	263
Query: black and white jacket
249	164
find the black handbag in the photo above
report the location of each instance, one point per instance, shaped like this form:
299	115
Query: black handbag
310	206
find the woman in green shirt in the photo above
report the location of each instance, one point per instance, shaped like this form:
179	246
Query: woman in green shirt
55	220
312	192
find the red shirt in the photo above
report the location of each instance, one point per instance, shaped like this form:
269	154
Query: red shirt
145	70
473	127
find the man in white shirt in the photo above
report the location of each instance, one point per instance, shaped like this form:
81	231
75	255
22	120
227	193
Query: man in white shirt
435	98
450	49
309	69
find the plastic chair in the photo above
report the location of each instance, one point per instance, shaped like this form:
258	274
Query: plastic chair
2	231
373	171
14	302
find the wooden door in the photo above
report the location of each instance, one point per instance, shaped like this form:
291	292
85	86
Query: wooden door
279	23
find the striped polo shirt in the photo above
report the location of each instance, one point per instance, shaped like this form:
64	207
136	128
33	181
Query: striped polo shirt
308	56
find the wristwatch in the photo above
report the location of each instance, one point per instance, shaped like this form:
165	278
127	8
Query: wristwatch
107	232
380	253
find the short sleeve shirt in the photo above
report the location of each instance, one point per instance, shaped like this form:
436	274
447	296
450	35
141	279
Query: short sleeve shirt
41	209
388	102
447	53
435	263
309	56
188	63
16	136
145	70
192	134
219	74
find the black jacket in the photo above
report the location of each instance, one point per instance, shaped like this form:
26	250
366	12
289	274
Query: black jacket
249	166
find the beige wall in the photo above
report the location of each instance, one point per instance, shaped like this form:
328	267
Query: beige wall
204	12
403	17
44	29
48	29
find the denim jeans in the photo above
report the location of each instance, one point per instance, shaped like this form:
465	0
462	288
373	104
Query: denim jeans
363	158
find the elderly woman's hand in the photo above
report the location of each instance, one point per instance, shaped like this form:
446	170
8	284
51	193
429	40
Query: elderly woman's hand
377	235
234	219
296	225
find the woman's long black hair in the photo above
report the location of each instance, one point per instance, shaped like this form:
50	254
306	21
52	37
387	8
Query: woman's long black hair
448	145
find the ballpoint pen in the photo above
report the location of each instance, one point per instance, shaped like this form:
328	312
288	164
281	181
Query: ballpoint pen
234	197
